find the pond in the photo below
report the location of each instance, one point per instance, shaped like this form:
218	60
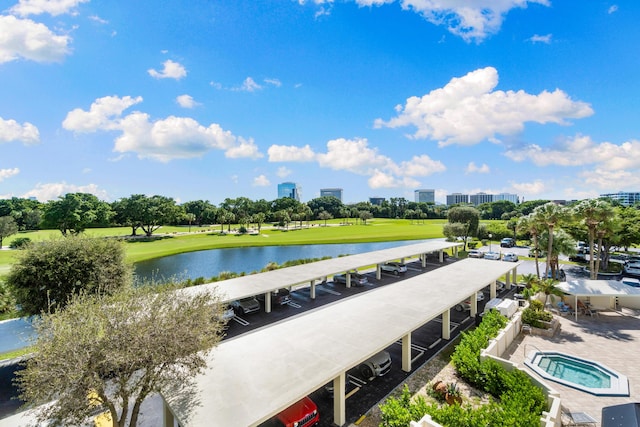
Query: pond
210	263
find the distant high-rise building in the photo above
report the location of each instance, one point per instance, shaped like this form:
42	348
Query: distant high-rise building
425	196
625	198
335	192
290	190
480	198
376	200
455	198
513	198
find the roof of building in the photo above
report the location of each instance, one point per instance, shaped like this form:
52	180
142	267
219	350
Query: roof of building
256	375
255	284
584	287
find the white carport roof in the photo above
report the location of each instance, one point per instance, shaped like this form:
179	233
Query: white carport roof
610	288
255	284
258	374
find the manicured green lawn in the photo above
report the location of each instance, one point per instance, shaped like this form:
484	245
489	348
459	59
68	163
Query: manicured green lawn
174	240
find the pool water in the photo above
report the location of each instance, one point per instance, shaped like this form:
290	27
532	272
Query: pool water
579	373
574	371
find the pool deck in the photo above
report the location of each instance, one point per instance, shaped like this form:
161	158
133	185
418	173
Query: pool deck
612	339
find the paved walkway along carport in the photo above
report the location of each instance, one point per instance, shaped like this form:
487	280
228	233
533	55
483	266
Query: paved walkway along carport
256	375
612	339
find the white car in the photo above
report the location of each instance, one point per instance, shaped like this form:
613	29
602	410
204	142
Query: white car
632	269
394	268
510	256
475	253
492	255
466	305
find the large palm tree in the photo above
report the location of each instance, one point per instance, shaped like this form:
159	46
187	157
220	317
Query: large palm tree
551	215
549	288
563	243
593	213
528	224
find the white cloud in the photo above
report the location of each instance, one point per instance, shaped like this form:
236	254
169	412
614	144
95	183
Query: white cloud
528	188
610	180
473	20
290	153
472	168
52	7
612	9
273	82
355	156
23	38
186	101
10	130
261	181
468	110
248	85
579	151
283	172
102	115
536	38
170	70
162	140
96	18
51	191
8	173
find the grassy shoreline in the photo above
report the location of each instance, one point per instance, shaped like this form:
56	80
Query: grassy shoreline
175	240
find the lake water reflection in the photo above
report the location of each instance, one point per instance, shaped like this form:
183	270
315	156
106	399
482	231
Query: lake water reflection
212	262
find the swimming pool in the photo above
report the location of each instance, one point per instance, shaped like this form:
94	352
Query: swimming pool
579	373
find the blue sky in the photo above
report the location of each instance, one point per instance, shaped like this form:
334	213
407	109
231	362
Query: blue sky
214	99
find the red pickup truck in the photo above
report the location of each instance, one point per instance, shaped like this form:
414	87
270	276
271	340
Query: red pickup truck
303	413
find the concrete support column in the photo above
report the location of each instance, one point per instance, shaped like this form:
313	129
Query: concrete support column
474	305
339	404
455	251
423	257
507	281
167	415
402	260
348	280
313	289
441	256
267	302
446	325
378	272
514	273
406	352
492	289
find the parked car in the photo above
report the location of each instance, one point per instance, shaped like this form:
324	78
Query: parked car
395	268
507	242
510	256
560	275
303	413
466	305
541	253
278	297
631	281
631	269
376	366
475	253
246	305
492	255
357	279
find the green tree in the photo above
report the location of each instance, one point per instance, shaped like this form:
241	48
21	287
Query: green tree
75	212
593	213
129	211
331	204
205	212
324	216
115	351
551	215
465	215
46	275
154	212
365	216
531	226
550	289
454	230
8	227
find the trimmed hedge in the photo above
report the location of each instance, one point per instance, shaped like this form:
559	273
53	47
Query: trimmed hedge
520	403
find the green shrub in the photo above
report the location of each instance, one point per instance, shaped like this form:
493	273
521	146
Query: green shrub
20	243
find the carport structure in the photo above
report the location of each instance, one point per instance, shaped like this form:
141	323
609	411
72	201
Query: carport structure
253	377
601	293
311	273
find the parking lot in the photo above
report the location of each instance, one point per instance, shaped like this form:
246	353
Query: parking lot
363	393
